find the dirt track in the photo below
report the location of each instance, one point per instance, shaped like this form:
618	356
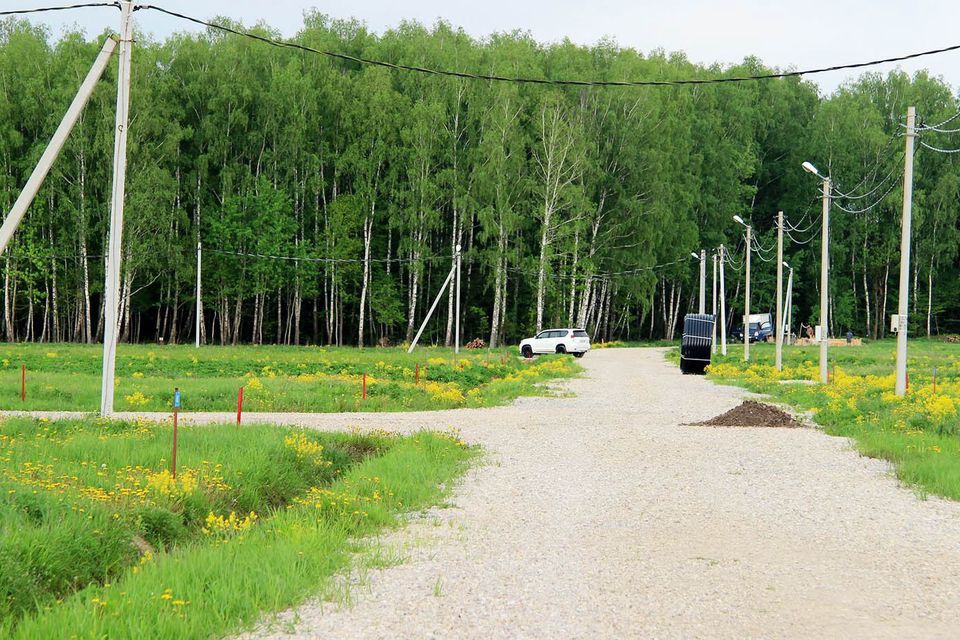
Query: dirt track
599	515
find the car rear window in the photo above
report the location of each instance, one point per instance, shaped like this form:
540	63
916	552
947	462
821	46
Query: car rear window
579	333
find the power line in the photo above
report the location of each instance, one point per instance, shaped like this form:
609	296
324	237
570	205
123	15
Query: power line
893	173
938	130
879	200
812	237
881	156
20	12
246	254
939	124
938	149
522	80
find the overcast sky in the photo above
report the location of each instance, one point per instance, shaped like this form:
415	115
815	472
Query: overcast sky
800	34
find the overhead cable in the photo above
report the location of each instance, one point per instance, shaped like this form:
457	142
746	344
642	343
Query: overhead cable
938	149
246	254
939	124
546	81
893	173
85	5
879	200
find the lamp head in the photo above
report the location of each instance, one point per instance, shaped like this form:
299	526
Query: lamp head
694	254
740	220
809	168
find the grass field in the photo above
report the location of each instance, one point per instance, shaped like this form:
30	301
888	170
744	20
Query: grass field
919	433
99	540
65	377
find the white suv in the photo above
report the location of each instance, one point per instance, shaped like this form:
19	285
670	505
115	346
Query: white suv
575	341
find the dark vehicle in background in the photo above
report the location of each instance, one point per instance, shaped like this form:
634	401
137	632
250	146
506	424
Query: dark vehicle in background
761	329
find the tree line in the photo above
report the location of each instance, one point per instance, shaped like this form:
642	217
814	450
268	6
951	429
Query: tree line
329	196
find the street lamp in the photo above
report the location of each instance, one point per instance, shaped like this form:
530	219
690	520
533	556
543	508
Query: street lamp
824	269
746	304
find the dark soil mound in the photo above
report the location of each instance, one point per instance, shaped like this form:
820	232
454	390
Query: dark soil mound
752	414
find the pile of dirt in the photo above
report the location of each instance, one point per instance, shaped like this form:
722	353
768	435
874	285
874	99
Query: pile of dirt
752	414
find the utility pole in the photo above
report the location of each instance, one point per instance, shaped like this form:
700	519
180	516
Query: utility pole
703	281
199	304
456	348
112	283
12	221
824	282
713	295
901	384
824	270
778	336
746	306
723	307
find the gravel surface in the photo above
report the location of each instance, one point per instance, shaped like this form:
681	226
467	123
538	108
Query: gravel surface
601	515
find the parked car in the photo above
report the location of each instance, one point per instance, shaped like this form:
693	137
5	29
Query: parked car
759	332
575	341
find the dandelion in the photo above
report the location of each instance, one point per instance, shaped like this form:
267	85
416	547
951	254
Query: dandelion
137	399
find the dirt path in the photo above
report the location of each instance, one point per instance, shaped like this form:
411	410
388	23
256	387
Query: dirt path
601	516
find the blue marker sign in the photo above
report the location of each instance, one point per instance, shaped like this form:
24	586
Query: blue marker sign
176	398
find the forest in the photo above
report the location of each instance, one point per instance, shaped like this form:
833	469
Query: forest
329	195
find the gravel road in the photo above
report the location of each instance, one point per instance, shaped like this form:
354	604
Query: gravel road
601	515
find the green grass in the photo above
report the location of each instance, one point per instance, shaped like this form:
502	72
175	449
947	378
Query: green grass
65	377
919	434
97	540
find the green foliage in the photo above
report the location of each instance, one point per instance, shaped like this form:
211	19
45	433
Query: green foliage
574	206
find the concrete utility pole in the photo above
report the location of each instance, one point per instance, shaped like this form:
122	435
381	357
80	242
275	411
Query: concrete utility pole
746	297
824	271
456	348
746	306
723	307
825	283
778	336
901	384
199	304
112	283
713	294
12	221
703	281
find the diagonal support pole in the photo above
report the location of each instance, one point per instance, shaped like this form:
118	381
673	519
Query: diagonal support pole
55	145
432	308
